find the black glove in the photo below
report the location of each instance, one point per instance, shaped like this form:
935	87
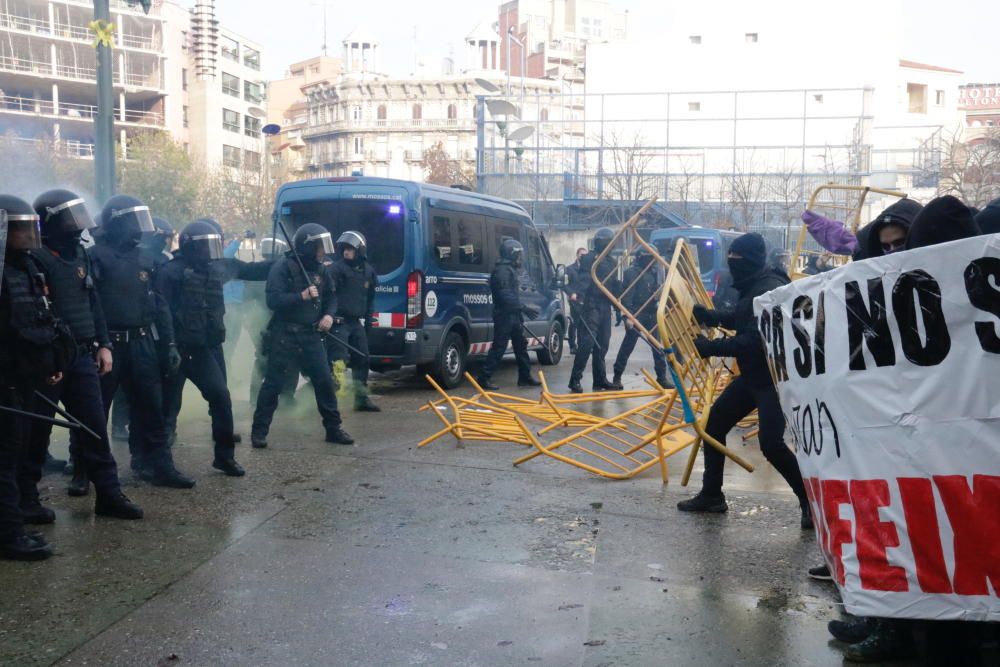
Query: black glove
530	311
173	359
704	347
705	316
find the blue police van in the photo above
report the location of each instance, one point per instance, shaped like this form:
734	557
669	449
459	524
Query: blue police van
433	249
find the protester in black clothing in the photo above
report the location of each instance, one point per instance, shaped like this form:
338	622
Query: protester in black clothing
508	318
988	218
572	275
887	232
137	319
354	281
192	283
592	313
753	388
35	348
300	292
72	290
639	299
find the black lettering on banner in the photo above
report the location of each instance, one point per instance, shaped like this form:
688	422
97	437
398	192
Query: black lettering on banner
917	295
778	344
802	308
820	335
821	409
804	424
984	296
764	325
868	325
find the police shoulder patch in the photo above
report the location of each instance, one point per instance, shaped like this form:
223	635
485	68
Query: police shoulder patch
144	276
81	272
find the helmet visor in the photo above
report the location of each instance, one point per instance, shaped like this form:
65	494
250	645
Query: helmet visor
323	240
23	232
137	219
207	246
73	217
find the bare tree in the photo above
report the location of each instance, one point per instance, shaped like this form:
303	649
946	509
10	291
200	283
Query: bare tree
747	187
970	170
440	168
785	190
626	174
686	186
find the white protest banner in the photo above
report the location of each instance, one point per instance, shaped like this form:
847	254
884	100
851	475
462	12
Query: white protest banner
888	371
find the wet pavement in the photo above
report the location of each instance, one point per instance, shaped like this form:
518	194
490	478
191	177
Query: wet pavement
383	554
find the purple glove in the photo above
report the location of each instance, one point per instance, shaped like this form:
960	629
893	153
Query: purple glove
833	235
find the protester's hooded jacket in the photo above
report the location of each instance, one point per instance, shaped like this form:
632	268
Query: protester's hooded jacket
944	219
989	218
901	213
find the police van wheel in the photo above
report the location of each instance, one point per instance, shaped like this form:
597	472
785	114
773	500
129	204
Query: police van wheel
449	367
553	350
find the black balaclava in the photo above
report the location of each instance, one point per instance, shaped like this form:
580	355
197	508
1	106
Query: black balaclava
752	261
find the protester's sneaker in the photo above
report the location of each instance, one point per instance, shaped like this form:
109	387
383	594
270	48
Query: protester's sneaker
34	512
229	466
890	640
704	502
820	573
25	548
854	630
528	382
339	436
117	506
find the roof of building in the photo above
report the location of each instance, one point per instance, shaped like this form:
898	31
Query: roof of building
483	31
360	35
933	68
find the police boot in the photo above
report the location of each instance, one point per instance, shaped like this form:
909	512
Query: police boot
80	484
25	548
616	383
34	512
170	477
228	465
574	386
486	383
364	404
339	436
602	384
528	382
116	505
258	440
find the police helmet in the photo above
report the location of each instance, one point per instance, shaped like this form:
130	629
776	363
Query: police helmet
200	241
23	231
159	238
62	215
511	250
354	240
603	238
270	247
126	218
309	237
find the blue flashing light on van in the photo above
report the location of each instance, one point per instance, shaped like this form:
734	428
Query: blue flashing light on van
710	247
433	249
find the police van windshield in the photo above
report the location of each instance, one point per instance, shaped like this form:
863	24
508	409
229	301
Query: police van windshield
380	221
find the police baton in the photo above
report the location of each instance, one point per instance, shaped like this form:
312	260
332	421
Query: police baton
305	274
345	344
590	331
40	418
62	413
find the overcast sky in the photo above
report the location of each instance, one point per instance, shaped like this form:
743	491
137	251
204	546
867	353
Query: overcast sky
962	34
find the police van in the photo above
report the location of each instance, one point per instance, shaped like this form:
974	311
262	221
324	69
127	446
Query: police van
433	249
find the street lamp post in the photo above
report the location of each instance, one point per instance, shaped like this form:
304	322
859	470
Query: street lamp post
104	122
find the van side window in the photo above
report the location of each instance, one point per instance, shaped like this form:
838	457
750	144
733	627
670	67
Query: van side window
535	262
442	239
503	231
471	242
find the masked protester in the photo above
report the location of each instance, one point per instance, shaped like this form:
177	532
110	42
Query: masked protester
354	281
644	281
305	308
754	388
137	321
75	301
592	313
35	349
508	317
887	232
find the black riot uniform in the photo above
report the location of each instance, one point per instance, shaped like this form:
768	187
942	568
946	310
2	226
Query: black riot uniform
592	312
75	301
638	299
192	284
136	318
34	346
354	281
301	294
508	317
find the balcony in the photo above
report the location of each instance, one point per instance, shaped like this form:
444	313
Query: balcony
75	32
75	72
74	149
31	106
117	5
408	125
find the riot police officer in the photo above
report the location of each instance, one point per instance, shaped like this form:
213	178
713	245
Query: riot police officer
192	284
508	317
34	348
639	299
592	312
301	294
354	281
124	277
75	301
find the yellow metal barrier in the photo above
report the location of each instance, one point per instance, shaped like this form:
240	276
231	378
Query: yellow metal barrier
473	420
838	202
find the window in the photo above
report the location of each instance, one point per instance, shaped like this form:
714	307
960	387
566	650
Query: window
230	48
230	120
356	113
253	92
359	145
184	114
694	106
184	79
251	58
251	126
230	85
470	241
251	160
441	239
818	97
418	112
917	94
695	39
382	113
452	112
231	156
939	98
751	38
543	115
